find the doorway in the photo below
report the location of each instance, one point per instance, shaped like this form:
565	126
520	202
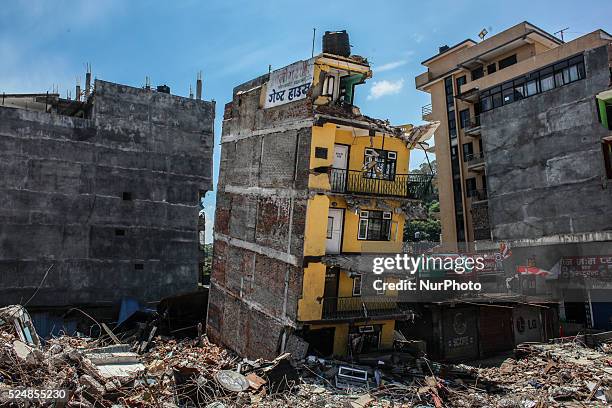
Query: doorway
335	218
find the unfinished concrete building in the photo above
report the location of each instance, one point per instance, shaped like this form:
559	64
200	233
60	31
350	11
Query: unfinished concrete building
305	178
100	195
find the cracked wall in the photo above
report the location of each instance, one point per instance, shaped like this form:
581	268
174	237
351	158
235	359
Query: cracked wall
63	201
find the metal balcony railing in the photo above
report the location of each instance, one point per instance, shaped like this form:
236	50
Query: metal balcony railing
359	307
426	110
478	195
413	185
474	159
473	125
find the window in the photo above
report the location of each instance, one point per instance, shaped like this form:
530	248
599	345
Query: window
470	186
120	232
464	118
468	151
374	226
127	196
139	266
506	62
607	151
385	163
328	87
357	285
477	73
491	68
330	227
542	80
321	152
452	128
462	80
531	88
547	80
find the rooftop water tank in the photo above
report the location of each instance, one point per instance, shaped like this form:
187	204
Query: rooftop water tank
336	43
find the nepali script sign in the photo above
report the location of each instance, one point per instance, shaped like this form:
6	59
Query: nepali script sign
289	84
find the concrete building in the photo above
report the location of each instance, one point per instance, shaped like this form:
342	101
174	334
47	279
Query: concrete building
523	154
100	195
307	185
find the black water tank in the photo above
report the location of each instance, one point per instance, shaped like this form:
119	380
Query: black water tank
336	43
443	48
163	88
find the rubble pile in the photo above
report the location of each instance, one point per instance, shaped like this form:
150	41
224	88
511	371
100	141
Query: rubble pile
555	374
164	372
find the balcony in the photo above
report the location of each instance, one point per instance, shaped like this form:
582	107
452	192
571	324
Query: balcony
478	195
475	162
358	307
427	113
422	79
473	126
414	186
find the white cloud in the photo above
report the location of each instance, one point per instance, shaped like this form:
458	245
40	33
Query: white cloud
383	88
417	37
390	65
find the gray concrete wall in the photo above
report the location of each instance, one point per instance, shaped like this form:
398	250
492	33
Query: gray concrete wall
259	223
544	162
61	198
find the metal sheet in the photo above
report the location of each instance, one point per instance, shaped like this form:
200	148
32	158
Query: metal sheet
495	330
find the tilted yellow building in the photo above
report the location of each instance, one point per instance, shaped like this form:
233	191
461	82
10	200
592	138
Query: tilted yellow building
322	184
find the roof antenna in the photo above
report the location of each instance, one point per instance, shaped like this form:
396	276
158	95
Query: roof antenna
561	32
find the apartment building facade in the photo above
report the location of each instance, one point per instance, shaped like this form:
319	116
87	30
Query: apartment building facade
307	185
523	155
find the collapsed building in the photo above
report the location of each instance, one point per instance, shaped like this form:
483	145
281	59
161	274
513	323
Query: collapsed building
100	197
306	180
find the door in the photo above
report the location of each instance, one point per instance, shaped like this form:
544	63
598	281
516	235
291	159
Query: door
339	171
330	292
334	231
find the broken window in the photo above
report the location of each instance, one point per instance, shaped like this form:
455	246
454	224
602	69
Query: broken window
374	226
385	164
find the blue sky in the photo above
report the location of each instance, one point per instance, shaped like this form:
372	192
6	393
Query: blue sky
43	43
